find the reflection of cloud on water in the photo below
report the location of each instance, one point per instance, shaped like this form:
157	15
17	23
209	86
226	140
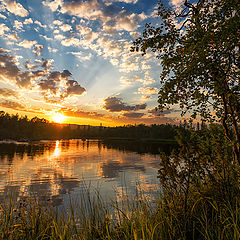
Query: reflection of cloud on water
112	169
52	182
55	168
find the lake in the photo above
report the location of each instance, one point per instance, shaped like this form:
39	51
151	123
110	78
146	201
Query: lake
55	170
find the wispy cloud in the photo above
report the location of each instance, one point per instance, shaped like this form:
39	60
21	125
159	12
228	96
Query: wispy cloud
148	90
12	104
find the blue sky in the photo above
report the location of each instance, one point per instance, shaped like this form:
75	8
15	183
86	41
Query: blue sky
74	57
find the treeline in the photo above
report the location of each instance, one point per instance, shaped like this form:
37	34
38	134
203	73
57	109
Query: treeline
22	128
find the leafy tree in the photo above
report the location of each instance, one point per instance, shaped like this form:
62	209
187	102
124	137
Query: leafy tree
199	52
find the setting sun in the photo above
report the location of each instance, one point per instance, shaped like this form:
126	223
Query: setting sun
58	117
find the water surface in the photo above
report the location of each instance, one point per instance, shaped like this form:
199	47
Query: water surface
56	170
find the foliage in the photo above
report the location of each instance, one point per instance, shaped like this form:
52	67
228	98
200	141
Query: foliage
199	52
201	181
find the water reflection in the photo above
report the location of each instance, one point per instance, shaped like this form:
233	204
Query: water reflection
55	169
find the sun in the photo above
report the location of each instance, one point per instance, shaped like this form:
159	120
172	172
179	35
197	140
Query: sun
58	117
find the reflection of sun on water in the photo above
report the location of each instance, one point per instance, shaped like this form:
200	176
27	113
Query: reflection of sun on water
56	151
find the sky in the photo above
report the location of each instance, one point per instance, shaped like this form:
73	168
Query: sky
72	58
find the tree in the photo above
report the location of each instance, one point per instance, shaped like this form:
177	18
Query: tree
199	52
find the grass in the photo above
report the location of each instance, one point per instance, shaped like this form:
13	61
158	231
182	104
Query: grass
91	218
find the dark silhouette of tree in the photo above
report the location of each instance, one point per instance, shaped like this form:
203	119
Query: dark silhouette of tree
21	128
199	52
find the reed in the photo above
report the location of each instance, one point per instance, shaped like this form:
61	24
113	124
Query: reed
90	217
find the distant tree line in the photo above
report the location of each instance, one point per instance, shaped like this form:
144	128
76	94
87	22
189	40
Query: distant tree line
22	128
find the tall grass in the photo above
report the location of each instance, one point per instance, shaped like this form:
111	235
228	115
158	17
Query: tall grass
91	218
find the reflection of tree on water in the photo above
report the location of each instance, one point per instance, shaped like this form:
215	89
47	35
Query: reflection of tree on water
55	168
139	146
45	183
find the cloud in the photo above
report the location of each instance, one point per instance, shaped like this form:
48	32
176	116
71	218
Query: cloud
57	86
28	21
109	47
3	29
6	92
13	37
105	13
8	68
114	104
28	65
81	56
127	80
70	42
87	33
81	114
133	115
128	22
27	44
87	9
53	85
53	5
3	16
65	27
177	3
38	49
59	37
15	8
73	88
18	25
57	22
46	63
12	104
125	1
145	97
148	90
145	66
128	66
40	24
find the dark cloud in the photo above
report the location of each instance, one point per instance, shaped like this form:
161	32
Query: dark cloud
38	49
133	115
24	79
12	104
8	68
59	84
10	71
114	104
48	85
46	63
74	88
54	85
6	92
28	65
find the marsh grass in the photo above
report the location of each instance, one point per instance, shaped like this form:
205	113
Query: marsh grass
90	217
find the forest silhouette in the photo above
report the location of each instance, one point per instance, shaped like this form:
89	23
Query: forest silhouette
15	127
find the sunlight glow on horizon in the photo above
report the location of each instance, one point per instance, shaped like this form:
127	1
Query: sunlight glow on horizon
58	117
